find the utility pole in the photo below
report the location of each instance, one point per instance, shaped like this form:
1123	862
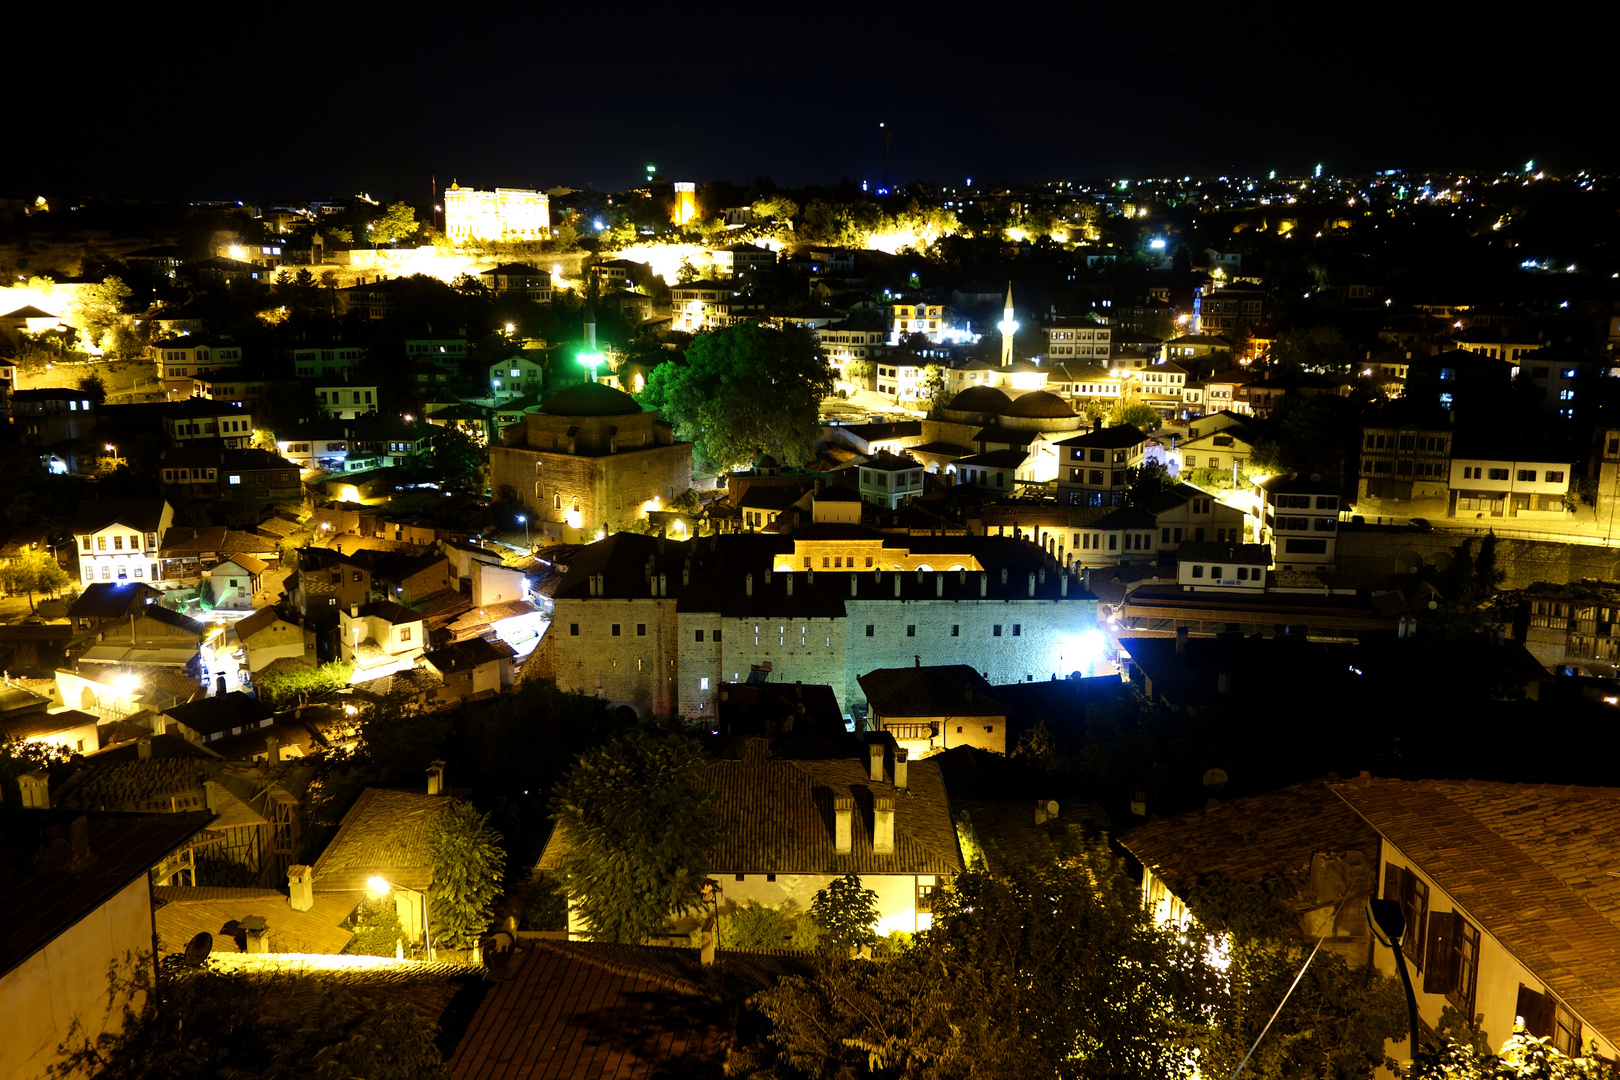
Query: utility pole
884	127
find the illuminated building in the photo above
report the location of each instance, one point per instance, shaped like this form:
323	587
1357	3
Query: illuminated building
685	210
659	624
509	214
1078	339
117	539
916	317
740	259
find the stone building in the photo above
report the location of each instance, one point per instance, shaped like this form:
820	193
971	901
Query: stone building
659	624
590	456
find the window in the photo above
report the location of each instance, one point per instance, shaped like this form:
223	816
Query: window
1410	891
1217	572
911	630
956	630
1451	959
1499	474
870	630
825	562
869	560
641	629
1526	476
573	630
615	630
1018	629
1198	570
716	635
404	633
699	636
118	543
995	631
235	480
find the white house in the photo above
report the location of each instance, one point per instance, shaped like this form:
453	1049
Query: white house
117	539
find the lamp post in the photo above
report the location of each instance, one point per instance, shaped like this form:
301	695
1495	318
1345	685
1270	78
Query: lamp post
1388	924
381	886
525	519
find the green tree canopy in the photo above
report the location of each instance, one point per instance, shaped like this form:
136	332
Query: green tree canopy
847	912
469	865
744	391
1135	413
396	223
460	461
1054	971
639	828
32	570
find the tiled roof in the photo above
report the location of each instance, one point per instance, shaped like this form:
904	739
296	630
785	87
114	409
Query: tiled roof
777	817
186	912
111	600
212	715
140	515
1531	863
1246	839
937	690
382	834
575	1010
366	982
1010	837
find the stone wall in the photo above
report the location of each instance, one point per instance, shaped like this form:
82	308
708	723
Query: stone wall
1524	562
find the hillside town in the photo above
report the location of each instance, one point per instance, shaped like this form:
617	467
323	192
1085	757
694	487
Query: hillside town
1088	628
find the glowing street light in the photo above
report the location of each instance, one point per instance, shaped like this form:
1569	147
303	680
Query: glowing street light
381	886
592	360
525	519
510	327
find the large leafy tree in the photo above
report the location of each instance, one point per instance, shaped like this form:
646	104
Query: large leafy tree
638	828
1054	971
469	865
744	391
396	223
34	570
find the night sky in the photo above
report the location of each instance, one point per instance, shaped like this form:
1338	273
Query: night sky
256	101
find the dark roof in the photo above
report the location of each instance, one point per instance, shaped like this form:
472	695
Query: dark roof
40	900
590	399
390	612
515	270
1251	838
938	690
1039	404
575	1009
838	493
112	599
1210	550
899	429
214	715
888	462
777	817
1128	517
28	311
142	515
1298	485
1108	438
979	399
246	628
996	459
466	655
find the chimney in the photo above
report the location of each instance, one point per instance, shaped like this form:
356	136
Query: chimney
1004	575
663	584
897	585
706	943
300	887
435	776
591	581
1032	583
272	749
854	584
258	934
652	585
1063	585
883	825
1181	639
1040	575
916	661
1096	424
874	757
686	573
790	583
143	747
939	584
843	824
901	754
984	582
1223	683
748	583
354	611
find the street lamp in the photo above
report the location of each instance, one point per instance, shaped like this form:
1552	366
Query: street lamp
1388	924
381	886
525	519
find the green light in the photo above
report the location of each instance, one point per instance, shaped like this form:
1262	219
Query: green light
592	360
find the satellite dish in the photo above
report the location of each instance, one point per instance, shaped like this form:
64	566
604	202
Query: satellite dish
1215	779
198	950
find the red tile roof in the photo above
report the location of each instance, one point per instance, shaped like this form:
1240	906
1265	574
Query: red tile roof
1533	864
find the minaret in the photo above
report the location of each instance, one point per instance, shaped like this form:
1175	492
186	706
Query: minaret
590	327
1009	327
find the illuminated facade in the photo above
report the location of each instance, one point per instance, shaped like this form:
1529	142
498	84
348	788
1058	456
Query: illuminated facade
511	214
685	210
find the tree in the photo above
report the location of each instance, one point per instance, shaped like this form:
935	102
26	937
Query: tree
19	758
1146	483
744	391
94	387
303	278
774	208
34	569
639	828
303	683
1137	414
395	223
1053	971
271	1027
847	912
468	867
460	461
97	309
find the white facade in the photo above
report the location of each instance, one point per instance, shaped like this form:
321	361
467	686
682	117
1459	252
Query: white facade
120	552
505	214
